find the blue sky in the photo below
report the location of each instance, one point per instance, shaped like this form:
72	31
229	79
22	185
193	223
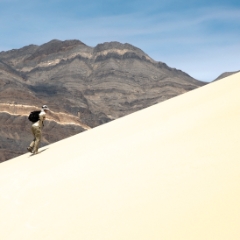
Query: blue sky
201	38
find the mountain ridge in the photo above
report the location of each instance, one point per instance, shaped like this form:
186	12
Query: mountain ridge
225	74
95	84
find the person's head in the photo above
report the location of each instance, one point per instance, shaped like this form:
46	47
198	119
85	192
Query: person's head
45	108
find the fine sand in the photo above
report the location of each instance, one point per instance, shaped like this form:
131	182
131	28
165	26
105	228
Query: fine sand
168	172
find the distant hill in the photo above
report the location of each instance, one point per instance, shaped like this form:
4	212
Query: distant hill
90	85
226	74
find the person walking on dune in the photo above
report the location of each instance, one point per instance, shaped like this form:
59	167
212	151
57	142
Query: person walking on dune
37	117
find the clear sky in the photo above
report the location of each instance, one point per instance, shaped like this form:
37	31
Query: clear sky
199	37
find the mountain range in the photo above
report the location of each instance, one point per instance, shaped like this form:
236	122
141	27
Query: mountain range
83	86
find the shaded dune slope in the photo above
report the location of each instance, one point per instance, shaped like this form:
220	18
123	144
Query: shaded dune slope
170	171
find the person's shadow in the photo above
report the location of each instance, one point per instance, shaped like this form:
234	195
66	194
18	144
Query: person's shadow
38	152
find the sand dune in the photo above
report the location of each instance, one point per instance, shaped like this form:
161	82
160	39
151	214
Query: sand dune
169	172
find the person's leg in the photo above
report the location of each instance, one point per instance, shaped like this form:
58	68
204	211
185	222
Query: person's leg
31	146
38	135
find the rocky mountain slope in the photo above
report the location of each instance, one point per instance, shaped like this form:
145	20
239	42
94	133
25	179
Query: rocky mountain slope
84	87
